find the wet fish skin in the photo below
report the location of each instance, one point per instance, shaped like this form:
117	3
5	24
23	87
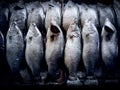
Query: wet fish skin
73	48
54	48
109	45
34	50
14	47
91	48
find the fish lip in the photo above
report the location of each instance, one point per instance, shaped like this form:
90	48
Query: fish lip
109	25
53	27
51	5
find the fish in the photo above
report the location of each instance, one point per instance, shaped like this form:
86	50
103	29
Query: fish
34	50
2	54
70	11
88	12
91	48
4	18
105	11
2	47
53	12
73	49
19	15
109	47
14	48
54	49
37	16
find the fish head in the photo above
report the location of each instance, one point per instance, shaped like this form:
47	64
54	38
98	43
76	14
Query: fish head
108	29
73	30
53	30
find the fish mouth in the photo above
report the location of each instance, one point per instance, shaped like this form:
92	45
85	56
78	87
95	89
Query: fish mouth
54	29
108	29
18	8
51	5
109	26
